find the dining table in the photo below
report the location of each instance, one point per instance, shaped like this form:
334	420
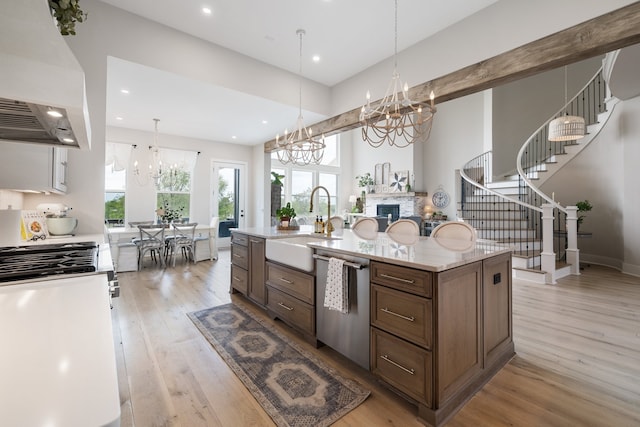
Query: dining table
125	254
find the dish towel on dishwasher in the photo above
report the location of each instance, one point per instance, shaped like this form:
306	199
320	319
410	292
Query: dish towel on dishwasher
336	293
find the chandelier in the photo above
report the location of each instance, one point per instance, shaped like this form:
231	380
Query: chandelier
394	120
155	166
300	147
566	128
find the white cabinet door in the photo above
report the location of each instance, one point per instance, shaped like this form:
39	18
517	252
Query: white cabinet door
33	167
60	169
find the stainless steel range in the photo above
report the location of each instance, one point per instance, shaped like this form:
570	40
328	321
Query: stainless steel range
52	261
44	261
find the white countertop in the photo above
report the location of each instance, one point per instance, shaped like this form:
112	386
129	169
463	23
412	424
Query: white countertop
425	253
57	362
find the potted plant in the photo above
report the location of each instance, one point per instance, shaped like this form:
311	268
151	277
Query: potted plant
67	13
286	214
365	181
583	206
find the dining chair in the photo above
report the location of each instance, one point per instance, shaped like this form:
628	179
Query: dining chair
183	239
152	241
211	238
457	230
403	226
337	222
366	224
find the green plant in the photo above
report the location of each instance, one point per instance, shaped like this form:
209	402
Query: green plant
583	206
168	214
286	211
276	178
67	13
364	180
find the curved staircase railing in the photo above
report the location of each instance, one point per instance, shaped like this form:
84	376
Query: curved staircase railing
538	152
513	214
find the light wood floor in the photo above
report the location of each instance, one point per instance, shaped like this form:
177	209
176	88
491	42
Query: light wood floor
577	357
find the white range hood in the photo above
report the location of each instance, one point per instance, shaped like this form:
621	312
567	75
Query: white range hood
38	71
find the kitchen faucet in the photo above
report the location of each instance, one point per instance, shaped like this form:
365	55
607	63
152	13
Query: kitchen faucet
328	223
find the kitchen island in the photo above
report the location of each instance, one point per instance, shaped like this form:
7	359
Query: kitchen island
440	310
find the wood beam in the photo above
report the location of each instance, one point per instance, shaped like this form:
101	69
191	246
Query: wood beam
611	31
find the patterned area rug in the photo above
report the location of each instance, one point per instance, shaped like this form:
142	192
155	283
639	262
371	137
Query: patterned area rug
293	387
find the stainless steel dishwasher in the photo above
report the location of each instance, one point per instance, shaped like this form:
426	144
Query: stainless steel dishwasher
348	333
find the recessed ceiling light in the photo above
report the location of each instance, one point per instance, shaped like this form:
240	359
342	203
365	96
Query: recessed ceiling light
206	10
125	91
67	140
118	118
316	58
233	137
264	122
54	113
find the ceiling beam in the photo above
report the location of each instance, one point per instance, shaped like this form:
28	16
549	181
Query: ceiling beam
608	32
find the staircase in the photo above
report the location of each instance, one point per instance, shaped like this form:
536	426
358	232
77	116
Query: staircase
509	211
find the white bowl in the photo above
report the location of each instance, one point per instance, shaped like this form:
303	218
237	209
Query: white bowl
61	226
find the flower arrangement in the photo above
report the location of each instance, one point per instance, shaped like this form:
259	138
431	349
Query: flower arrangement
168	214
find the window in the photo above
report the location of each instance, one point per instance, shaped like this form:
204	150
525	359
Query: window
298	183
173	192
330	182
115	185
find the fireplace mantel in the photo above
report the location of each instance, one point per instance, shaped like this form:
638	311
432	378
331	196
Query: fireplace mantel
397	194
411	203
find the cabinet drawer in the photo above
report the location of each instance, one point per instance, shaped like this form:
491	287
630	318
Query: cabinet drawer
402	314
292	282
240	256
403	278
239	279
239	239
402	365
292	311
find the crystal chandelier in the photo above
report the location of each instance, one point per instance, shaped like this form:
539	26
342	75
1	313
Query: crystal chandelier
300	147
155	166
399	122
566	128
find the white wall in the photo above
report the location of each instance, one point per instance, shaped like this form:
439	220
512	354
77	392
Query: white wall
457	136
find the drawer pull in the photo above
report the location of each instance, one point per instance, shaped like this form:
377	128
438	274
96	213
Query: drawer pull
255	241
397	365
400	279
285	307
386	310
286	281
237	279
238	256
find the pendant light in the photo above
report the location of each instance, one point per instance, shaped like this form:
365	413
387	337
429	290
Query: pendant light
567	127
300	147
394	120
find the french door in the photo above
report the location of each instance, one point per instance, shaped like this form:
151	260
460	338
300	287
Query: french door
229	184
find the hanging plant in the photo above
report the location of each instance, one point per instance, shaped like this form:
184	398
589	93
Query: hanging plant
67	13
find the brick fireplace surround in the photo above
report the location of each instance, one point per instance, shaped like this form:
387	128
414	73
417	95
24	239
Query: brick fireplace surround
411	203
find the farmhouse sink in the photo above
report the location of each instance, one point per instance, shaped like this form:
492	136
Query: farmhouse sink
293	251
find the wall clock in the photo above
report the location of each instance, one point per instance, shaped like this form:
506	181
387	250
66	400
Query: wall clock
440	198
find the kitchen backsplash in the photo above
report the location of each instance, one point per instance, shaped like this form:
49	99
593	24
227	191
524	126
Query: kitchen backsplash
11	199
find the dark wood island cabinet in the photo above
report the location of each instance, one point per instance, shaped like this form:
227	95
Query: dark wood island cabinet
438	337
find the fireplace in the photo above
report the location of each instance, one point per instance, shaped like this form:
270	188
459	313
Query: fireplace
386	209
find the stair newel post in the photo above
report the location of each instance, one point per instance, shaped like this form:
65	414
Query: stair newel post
573	253
548	257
